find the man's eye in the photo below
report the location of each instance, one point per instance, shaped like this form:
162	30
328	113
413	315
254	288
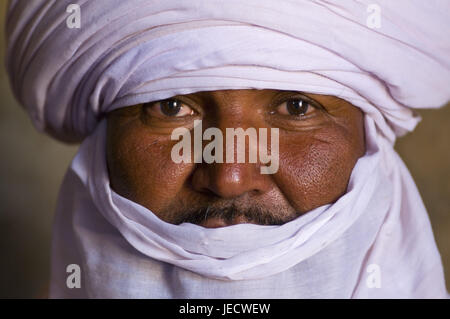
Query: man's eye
295	107
168	108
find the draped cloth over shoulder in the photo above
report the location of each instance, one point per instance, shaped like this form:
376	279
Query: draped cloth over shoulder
136	51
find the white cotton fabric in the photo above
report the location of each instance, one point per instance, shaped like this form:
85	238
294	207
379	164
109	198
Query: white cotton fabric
135	51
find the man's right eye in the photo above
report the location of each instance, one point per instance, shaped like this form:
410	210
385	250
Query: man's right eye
168	108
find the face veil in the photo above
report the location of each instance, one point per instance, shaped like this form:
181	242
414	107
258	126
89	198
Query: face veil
131	52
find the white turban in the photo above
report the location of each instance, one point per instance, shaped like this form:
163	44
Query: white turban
136	51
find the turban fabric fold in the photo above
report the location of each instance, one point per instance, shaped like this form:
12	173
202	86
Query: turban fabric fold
136	51
129	52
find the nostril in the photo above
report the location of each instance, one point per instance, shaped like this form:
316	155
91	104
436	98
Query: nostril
207	192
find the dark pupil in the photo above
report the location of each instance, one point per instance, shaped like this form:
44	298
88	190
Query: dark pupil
170	107
297	107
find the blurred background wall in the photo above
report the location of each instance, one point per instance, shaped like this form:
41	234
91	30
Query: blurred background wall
32	167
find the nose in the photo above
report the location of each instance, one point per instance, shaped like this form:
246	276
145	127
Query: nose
225	179
230	180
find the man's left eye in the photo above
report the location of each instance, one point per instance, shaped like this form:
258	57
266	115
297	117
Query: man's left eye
295	107
168	108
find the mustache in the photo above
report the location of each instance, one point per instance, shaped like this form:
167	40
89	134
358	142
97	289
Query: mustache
254	215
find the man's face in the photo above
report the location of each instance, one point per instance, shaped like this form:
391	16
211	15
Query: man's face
320	139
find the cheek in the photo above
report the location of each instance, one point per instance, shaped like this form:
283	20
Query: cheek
141	168
315	167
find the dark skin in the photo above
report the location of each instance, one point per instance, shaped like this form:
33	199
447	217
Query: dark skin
320	139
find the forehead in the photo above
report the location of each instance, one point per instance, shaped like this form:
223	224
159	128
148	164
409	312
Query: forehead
243	94
237	93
